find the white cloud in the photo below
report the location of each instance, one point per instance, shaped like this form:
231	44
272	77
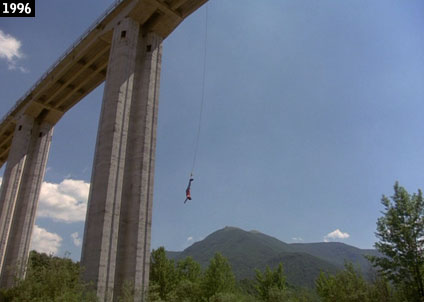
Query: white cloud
9	47
336	234
65	202
189	239
297	239
10	50
45	242
75	238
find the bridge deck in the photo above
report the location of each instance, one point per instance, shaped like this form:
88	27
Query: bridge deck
83	66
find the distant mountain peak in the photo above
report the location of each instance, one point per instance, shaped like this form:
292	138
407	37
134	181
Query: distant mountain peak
229	228
255	232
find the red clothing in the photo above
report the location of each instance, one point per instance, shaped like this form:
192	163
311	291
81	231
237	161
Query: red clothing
188	196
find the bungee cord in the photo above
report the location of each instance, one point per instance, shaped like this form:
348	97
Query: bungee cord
199	128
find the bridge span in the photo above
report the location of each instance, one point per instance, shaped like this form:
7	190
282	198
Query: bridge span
83	66
123	47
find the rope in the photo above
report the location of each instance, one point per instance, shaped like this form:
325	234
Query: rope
203	92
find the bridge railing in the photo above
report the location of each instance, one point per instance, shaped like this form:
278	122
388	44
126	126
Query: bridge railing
68	51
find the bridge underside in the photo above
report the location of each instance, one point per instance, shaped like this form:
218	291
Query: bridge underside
124	48
84	66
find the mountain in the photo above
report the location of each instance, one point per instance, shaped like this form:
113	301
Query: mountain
247	251
301	269
338	253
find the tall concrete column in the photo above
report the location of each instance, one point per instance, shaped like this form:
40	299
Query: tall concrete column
116	247
19	195
133	256
12	178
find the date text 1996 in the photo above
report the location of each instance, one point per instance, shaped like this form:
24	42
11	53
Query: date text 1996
17	8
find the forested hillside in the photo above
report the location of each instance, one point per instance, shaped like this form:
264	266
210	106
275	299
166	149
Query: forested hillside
247	251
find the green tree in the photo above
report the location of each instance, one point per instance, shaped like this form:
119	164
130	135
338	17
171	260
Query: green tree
50	278
189	269
218	277
349	286
228	297
270	285
346	286
382	291
401	241
163	276
189	276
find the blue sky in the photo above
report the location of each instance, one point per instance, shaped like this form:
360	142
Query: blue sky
313	109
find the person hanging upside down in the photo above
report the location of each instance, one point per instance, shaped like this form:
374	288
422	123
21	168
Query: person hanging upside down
188	195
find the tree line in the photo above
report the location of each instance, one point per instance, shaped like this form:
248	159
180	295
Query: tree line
398	275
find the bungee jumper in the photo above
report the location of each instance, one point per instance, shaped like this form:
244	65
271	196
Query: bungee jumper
188	194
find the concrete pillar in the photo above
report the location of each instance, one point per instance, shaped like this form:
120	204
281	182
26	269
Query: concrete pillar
19	195
116	246
133	256
12	179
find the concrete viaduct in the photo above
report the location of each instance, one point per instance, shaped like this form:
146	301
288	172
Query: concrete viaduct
123	48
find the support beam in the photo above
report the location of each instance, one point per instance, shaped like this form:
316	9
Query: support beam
116	247
19	195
